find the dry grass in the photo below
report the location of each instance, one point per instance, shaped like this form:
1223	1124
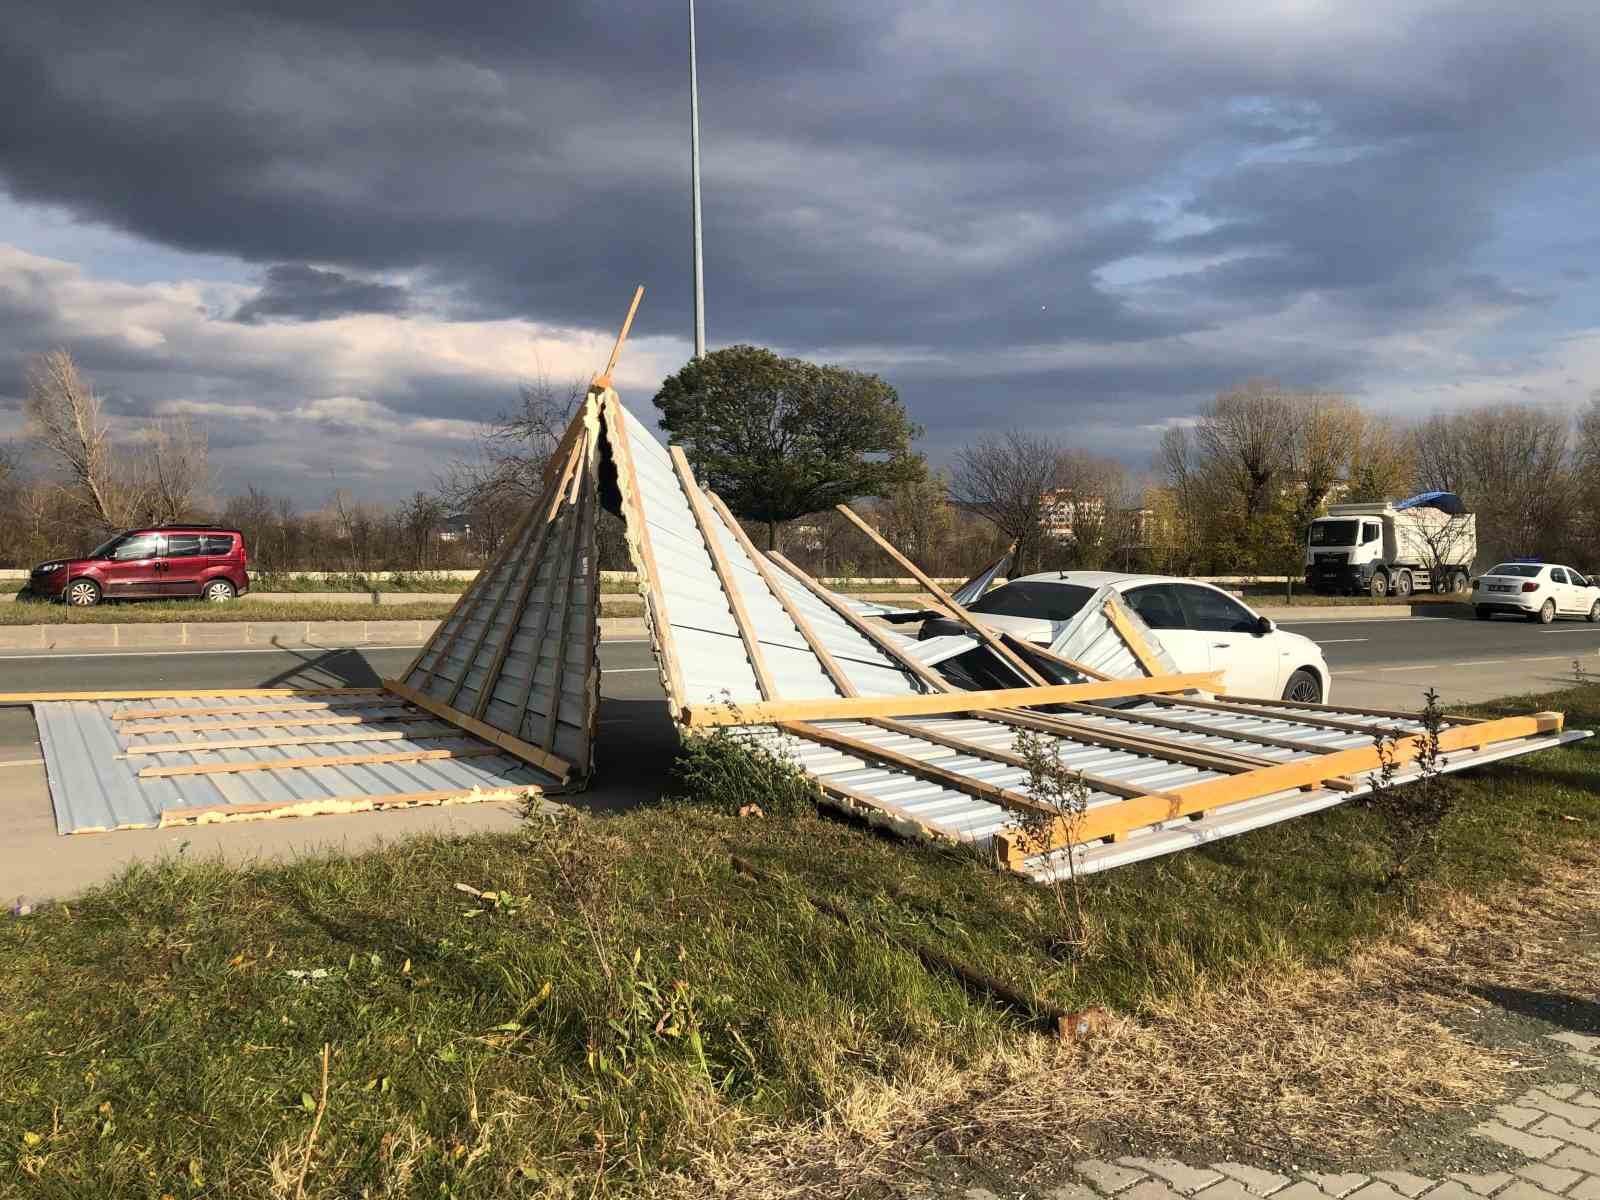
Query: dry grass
1302	1062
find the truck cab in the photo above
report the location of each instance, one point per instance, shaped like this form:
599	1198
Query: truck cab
1342	553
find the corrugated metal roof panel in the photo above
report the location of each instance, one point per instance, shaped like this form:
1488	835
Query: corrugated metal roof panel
95	784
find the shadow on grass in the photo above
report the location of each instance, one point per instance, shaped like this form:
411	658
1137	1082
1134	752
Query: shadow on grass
1571	1013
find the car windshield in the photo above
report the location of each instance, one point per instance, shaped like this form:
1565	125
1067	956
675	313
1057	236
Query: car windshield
103	550
1520	570
1333	533
1042	600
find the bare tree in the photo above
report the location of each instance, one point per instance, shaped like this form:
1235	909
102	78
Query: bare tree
1005	479
420	520
1383	461
1247	433
175	469
65	415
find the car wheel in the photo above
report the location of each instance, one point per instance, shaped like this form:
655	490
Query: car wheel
1402	585
219	591
1303	686
1483	613
1379	587
1546	614
1594	613
83	593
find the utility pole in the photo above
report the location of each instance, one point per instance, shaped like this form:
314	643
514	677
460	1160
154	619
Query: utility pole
694	171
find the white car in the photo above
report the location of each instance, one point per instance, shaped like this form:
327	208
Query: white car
1538	591
1202	628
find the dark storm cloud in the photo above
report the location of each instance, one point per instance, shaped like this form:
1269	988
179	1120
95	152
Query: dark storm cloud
296	292
904	177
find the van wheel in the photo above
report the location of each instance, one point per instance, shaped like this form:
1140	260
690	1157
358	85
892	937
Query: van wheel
1303	686
1379	587
1402	585
83	593
218	591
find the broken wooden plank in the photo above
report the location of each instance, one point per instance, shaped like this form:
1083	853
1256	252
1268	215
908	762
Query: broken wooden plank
602	381
305	739
171	817
1129	633
176	694
151	714
858	707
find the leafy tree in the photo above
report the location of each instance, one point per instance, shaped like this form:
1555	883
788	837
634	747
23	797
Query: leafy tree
779	437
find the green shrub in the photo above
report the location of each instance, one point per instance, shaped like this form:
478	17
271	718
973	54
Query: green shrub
727	769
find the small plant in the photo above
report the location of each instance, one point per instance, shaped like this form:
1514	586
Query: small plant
1064	800
1580	673
1414	814
727	770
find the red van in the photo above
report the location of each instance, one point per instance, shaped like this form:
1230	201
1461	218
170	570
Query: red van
138	564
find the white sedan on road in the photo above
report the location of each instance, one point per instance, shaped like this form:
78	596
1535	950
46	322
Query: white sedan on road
1538	591
1202	628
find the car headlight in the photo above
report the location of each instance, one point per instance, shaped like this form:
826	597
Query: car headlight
48	567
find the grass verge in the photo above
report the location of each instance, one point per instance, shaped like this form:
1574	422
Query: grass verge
624	1013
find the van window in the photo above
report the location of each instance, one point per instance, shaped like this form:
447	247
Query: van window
136	547
183	545
217	545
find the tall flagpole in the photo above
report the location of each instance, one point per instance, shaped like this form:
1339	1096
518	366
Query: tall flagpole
694	171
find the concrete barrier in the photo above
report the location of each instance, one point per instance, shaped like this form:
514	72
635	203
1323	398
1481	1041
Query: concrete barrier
238	635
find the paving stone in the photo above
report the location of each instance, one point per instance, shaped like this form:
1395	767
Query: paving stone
1518	1117
1185	1178
1577	1160
1228	1189
1555	1127
1587	1099
1553	1179
1262	1183
1517	1139
1338	1185
1108	1178
1376	1191
1404	1182
1301	1191
1580	1115
1589	1189
1454	1190
1150	1189
1561	1091
1072	1191
1482	1184
1523	1190
1578	1041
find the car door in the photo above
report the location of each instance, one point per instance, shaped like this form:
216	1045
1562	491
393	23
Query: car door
185	560
1160	608
1247	659
136	567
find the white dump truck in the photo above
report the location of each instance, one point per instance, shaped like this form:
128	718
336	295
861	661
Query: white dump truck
1425	543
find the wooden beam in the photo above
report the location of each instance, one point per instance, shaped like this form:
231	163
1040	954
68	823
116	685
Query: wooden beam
150	714
296	764
1179	726
491	677
719	563
860	707
1050	656
1290	718
178	694
1106	821
829	664
1307	706
1211	760
993	793
333	804
273	723
307	739
987	635
1129	633
543	759
888	648
644	555
1100	783
603	380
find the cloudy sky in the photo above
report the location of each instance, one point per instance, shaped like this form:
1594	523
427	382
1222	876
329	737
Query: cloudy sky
339	235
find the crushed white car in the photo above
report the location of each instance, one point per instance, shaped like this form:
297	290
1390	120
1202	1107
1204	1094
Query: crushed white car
1202	627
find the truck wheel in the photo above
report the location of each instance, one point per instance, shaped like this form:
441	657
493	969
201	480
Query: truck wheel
1379	587
1483	613
1546	614
1402	585
1303	686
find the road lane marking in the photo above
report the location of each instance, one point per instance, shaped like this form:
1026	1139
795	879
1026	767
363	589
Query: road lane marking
1341	641
1418	667
23	762
178	652
625	670
1482	662
1581	630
